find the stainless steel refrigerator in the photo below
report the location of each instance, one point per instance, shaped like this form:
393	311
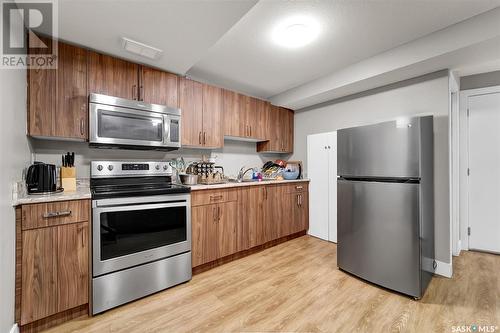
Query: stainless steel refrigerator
385	203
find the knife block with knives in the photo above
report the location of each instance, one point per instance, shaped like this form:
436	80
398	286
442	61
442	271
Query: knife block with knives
68	173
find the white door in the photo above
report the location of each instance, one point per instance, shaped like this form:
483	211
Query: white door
318	173
322	171
484	179
332	187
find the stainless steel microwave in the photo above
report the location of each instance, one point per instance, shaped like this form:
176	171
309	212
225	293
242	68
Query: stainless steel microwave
121	123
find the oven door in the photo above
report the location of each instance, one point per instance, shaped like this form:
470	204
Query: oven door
112	125
131	231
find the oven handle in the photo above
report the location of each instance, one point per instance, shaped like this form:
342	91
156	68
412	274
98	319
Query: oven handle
140	207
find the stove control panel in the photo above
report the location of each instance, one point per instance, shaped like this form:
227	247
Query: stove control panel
102	169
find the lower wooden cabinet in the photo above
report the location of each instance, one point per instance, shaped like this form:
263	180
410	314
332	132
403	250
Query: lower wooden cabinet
245	218
214	227
52	272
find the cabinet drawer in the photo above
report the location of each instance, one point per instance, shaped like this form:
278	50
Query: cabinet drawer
296	187
54	213
205	197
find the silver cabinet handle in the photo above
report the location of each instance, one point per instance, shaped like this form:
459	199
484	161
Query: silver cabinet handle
56	214
134	92
218	213
299	187
81	126
199	138
204	138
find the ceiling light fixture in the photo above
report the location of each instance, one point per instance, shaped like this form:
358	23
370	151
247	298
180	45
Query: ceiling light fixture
141	49
296	31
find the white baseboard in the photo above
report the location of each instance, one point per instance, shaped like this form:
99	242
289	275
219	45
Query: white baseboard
458	249
14	329
443	269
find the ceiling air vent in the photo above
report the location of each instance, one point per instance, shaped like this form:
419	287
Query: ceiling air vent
141	49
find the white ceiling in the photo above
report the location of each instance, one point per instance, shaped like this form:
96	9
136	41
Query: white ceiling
228	43
247	59
184	30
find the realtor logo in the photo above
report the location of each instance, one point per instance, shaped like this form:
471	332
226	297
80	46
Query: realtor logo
23	22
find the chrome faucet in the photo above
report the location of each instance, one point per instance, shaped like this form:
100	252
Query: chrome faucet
242	173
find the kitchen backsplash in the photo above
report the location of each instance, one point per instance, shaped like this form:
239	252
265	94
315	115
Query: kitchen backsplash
232	157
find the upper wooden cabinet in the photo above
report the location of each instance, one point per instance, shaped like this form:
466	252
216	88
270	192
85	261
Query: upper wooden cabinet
191	105
57	98
201	107
280	131
212	117
244	116
158	87
112	76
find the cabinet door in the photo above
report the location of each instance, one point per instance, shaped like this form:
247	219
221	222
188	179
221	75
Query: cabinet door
112	76
300	208
287	130
227	226
274	131
233	116
71	112
41	99
281	211
158	87
260	126
212	117
247	125
73	265
204	234
39	274
191	105
255	213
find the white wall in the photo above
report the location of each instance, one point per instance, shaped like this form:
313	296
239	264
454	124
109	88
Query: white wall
421	98
15	154
232	157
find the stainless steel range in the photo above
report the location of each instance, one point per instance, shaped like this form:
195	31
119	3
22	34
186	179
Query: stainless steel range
141	231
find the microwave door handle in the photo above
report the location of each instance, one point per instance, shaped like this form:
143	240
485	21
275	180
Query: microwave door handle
166	126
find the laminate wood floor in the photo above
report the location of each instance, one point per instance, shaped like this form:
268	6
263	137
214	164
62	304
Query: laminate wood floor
297	287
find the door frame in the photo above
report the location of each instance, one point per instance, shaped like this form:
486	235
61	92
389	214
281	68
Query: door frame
464	159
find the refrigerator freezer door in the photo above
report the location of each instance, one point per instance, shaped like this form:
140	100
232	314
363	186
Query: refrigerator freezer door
378	233
389	149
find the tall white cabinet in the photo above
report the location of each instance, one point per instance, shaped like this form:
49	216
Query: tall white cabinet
322	171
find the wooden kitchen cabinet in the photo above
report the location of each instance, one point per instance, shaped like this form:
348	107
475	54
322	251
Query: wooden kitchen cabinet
212	117
204	234
245	116
233	117
214	225
112	76
73	265
158	87
57	98
232	221
201	107
280	131
39	274
227	225
191	105
52	261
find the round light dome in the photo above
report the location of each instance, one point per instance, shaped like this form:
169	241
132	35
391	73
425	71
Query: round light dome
296	31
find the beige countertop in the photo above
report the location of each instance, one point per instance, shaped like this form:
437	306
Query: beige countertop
20	197
232	184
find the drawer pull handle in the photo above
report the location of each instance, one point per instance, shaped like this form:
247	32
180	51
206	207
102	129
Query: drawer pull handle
56	214
299	187
215	197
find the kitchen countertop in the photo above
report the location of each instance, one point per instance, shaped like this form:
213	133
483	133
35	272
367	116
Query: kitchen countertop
20	197
233	184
